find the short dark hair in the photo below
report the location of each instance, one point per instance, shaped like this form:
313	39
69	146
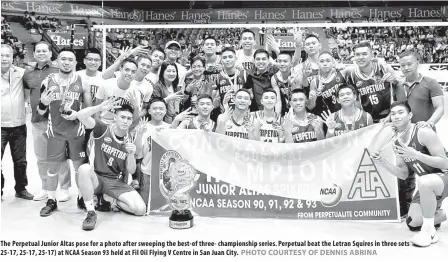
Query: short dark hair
207	96
311	35
404	104
326	53
242	90
299	91
157	99
269	90
343	86
143	56
409	53
361	45
127	60
196	58
284	53
260	51
125	107
228	49
67	49
40	43
247	31
160	50
210	37
92	51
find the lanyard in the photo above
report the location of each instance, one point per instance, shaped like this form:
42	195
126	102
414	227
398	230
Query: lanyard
235	77
411	88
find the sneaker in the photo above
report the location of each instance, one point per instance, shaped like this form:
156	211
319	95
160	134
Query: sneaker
135	184
90	221
102	204
49	208
424	238
24	195
64	195
41	196
81	204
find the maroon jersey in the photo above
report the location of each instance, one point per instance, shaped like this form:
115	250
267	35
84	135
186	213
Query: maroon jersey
107	153
302	134
308	73
66	98
375	96
226	84
416	166
326	98
342	127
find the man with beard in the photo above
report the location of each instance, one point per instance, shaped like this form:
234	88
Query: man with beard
64	94
374	82
299	125
349	117
419	151
13	122
202	121
120	88
32	80
270	121
237	122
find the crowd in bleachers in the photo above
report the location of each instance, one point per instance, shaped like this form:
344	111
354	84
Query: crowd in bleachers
190	39
387	42
8	37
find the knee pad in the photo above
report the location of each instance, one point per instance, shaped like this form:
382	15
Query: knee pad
408	222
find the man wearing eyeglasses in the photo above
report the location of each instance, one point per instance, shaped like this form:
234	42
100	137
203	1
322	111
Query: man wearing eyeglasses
91	75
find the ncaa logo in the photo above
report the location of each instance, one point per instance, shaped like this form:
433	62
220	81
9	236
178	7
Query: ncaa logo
338	125
228	126
223	82
338	79
76	87
53	88
358	84
107	139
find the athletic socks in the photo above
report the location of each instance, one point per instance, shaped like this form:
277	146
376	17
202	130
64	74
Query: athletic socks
51	195
428	224
89	205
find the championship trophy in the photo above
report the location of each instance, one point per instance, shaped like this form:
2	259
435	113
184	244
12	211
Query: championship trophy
177	179
66	104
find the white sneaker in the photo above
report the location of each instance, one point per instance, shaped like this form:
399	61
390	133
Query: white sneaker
64	195
424	238
41	196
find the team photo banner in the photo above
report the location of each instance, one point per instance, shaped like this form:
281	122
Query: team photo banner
332	179
221	15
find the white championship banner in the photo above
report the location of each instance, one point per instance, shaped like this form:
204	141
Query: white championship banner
329	179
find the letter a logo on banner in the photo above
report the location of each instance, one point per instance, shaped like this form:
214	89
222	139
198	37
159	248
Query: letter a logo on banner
368	180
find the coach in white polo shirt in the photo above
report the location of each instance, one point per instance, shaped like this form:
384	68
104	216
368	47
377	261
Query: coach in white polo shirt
172	50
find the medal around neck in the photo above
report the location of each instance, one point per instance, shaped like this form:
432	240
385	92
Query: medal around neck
178	179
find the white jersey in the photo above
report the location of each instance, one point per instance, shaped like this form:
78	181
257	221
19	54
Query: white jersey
246	61
110	89
146	140
268	133
234	129
93	81
145	87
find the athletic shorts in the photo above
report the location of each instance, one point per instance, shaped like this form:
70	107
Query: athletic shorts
59	149
112	187
444	177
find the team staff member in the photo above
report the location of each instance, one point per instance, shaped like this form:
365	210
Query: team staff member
32	80
424	94
14	120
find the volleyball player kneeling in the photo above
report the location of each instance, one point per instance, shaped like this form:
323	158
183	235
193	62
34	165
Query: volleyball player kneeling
113	154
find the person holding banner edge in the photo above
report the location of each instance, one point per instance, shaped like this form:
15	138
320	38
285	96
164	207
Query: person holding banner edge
419	151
